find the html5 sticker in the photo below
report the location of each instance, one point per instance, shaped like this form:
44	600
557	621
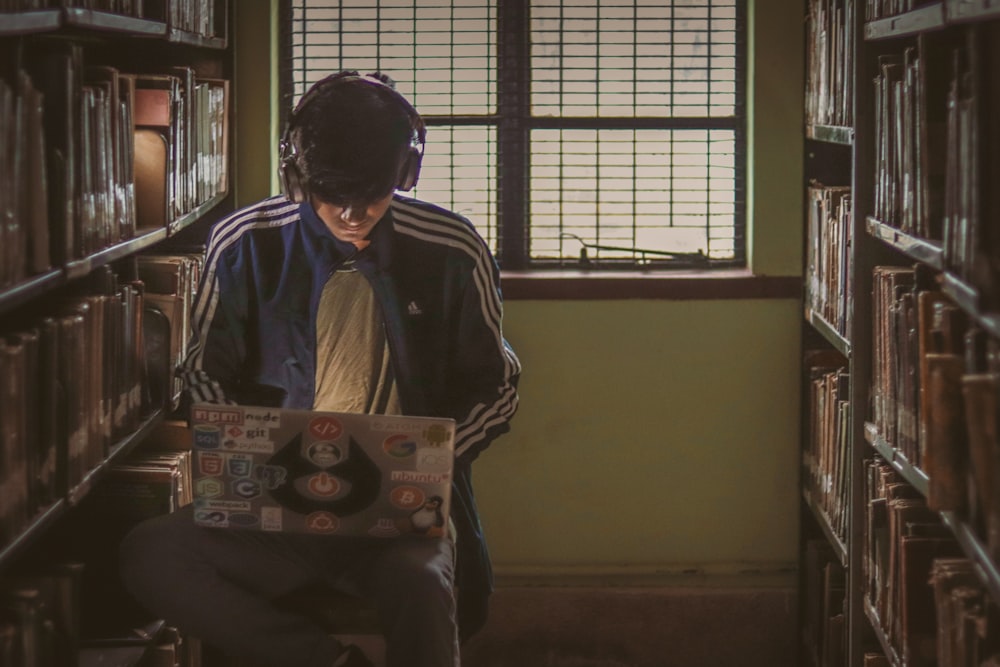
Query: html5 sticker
325	428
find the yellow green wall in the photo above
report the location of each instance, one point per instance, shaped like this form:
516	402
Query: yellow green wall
654	437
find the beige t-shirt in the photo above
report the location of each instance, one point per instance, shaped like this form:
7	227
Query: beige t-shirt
353	368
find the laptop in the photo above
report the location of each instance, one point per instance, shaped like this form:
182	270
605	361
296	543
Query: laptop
325	473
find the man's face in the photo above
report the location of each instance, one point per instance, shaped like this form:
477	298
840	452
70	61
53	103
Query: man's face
351	222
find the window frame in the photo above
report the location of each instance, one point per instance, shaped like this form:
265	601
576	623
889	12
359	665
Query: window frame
513	122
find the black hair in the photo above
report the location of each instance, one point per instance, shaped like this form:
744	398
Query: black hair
352	138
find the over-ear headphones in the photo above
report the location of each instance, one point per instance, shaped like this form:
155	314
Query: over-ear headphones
293	184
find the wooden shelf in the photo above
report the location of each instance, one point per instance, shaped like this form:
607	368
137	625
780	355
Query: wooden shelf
839	548
971	545
36	286
983	565
968	300
195	215
194	39
829	332
960	11
932	17
26	23
118	452
44	520
930	253
920	20
50	515
834	134
77	18
913	475
81	267
887	648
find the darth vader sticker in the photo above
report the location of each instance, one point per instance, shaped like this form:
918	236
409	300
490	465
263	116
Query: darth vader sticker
342	487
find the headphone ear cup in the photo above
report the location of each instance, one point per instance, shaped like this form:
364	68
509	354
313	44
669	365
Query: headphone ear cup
291	180
410	171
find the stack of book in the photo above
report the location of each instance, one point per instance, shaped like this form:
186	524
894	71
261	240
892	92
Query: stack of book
828	260
72	384
825	457
93	154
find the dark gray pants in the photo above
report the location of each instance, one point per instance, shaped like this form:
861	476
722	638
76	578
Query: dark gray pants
218	584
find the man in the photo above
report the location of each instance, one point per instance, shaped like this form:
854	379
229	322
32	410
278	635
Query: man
340	296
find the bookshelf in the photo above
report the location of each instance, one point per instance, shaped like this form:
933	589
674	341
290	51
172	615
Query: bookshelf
114	139
901	109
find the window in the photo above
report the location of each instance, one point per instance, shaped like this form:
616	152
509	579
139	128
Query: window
571	132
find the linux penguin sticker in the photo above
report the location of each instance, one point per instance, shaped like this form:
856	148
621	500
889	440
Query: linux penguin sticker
428	519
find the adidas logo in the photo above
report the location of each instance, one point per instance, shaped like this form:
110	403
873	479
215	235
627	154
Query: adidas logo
414	308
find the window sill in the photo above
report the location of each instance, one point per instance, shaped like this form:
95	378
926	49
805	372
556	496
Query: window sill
667	285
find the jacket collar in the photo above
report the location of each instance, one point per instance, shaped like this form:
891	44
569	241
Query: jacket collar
329	246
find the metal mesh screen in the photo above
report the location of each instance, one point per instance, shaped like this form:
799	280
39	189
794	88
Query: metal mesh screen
624	135
643	58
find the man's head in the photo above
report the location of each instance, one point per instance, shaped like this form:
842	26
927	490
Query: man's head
351	141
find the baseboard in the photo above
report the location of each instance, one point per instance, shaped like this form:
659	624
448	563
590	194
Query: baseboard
637	626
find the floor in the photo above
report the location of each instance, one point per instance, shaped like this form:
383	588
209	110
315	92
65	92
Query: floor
609	626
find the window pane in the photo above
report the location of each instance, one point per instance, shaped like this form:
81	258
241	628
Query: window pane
635	190
459	173
441	54
624	71
644	58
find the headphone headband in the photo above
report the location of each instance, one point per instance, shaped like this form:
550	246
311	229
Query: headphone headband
289	173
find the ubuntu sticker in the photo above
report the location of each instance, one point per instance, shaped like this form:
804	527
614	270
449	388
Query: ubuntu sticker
399	446
322	522
406	497
325	428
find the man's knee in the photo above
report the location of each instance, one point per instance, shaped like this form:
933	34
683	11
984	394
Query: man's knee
418	573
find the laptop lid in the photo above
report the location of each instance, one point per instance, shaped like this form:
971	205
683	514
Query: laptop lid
326	473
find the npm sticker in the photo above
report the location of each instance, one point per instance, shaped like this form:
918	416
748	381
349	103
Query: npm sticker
218	415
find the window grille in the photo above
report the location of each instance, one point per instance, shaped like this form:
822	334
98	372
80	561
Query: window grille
571	132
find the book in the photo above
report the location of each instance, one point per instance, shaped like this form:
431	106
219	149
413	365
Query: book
946	458
157	148
56	68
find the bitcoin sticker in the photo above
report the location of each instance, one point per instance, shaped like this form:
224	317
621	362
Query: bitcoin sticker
406	497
